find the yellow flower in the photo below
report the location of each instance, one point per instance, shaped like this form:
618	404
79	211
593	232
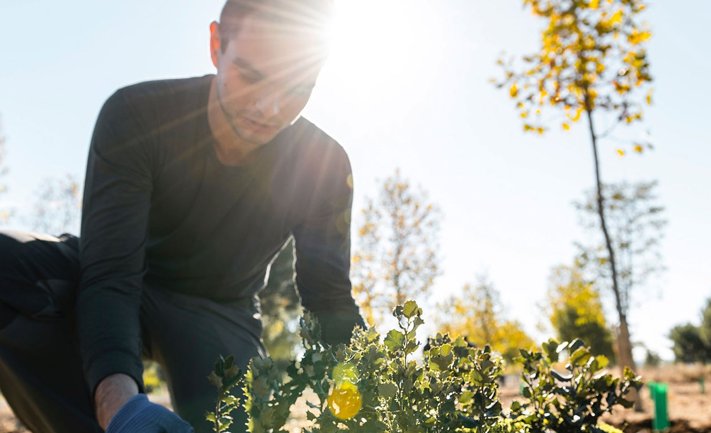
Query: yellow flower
344	401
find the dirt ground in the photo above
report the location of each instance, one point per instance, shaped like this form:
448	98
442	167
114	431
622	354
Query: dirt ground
689	408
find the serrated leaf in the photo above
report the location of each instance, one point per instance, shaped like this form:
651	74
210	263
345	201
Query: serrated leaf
466	397
560	377
580	357
345	372
215	379
394	340
387	390
575	344
410	309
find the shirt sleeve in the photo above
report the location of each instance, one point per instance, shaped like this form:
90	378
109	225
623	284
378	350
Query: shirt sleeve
322	244
112	244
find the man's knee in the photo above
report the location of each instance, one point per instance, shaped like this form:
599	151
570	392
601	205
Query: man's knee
38	275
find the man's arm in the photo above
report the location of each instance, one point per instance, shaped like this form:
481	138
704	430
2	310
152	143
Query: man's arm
322	244
114	223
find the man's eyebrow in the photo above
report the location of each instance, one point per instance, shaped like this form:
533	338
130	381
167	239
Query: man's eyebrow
248	67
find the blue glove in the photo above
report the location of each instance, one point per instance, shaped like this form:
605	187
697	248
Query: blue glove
138	415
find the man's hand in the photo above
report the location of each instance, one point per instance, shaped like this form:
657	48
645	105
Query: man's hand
338	327
139	415
111	394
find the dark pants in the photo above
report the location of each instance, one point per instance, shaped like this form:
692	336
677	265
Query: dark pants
40	366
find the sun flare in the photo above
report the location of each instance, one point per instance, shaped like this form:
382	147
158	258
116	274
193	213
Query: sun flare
375	42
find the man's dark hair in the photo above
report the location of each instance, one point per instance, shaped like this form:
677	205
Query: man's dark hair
310	16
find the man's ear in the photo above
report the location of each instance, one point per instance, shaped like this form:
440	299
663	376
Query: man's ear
215	49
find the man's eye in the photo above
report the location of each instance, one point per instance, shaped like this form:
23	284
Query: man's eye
250	78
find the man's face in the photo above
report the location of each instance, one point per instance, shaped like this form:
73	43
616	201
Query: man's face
264	77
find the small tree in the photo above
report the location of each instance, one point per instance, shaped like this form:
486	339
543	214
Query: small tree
575	311
592	61
397	257
477	315
57	207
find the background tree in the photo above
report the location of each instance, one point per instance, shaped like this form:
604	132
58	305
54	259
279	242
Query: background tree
705	327
477	315
57	207
575	311
636	222
593	61
690	342
5	212
687	345
397	253
281	308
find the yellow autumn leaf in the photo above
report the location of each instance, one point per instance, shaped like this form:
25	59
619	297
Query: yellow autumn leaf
620	152
638	148
616	18
594	4
648	97
513	91
542	96
566	126
575	117
637	37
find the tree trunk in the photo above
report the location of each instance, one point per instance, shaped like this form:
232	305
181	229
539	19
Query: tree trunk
623	339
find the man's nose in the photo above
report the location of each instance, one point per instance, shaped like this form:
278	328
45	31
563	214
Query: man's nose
269	103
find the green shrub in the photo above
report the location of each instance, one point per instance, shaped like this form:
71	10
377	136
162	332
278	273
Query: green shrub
374	385
570	400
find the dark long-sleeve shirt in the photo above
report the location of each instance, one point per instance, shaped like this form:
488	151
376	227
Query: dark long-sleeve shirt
160	210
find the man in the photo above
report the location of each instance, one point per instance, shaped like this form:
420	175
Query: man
192	188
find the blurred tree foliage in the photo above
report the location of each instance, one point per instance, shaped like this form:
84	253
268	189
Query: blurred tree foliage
57	206
575	311
691	343
477	315
5	211
397	256
705	328
636	221
281	308
688	347
591	61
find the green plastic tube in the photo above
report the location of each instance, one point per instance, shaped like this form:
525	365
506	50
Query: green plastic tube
658	392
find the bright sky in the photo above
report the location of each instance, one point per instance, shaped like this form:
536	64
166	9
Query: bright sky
406	86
